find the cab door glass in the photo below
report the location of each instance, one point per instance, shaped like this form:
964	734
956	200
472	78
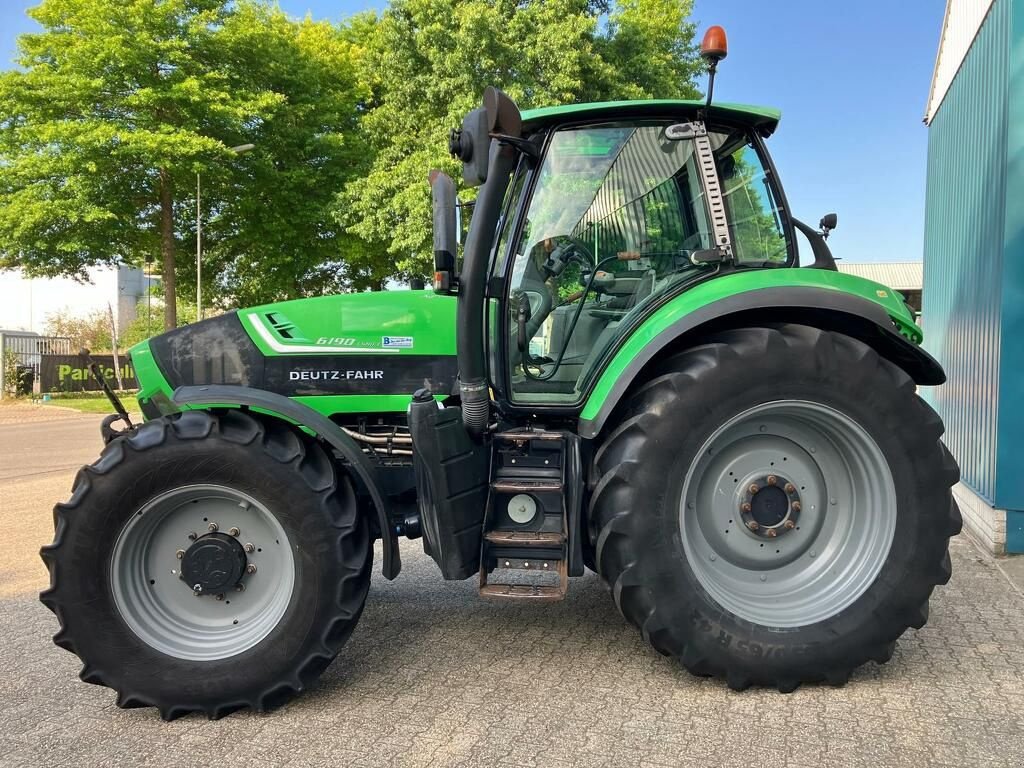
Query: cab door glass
617	210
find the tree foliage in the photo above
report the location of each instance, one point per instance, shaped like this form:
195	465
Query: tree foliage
271	234
121	102
427	62
91	330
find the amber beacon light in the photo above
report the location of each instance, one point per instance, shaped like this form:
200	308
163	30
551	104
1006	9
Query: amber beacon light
714	47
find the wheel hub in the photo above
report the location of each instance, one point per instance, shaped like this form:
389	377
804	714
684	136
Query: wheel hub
788	512
770	506
213	564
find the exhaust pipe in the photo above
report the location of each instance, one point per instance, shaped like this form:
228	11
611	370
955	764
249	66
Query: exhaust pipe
502	123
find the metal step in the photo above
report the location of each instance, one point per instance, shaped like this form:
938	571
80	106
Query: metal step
534	592
540	593
526	486
527	434
525	538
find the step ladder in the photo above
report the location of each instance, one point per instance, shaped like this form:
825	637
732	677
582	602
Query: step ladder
525	525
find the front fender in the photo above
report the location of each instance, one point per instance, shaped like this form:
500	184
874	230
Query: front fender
834	301
220	395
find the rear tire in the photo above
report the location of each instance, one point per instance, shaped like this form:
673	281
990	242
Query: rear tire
288	523
662	505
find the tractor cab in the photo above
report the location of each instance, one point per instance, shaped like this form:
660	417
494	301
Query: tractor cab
595	216
613	219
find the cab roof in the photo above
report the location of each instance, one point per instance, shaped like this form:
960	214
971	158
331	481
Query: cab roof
763	119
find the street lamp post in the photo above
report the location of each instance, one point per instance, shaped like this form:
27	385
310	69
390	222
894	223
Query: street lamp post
239	150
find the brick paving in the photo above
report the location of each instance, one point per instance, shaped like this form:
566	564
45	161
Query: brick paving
435	677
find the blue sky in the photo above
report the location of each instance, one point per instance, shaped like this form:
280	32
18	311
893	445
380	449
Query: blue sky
851	138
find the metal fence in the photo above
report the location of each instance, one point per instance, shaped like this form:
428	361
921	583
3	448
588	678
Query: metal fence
21	355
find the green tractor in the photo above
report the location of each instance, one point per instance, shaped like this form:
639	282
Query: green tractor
624	368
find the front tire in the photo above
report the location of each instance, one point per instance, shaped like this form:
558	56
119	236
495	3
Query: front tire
208	563
693	520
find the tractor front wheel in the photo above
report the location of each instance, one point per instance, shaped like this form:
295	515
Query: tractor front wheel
774	507
208	563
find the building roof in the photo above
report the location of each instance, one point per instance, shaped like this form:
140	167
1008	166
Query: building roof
960	26
765	119
899	275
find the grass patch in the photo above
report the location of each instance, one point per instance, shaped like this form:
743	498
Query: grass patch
93	404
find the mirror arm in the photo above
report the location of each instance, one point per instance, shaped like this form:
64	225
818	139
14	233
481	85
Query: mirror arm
525	146
822	253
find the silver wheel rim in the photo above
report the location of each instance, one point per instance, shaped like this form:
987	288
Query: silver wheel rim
163	611
821	557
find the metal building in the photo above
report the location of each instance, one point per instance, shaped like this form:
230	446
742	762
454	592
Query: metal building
973	308
904	276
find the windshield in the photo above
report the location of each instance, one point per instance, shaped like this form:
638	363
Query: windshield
617	212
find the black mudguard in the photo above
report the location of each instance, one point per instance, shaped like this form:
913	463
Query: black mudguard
452	482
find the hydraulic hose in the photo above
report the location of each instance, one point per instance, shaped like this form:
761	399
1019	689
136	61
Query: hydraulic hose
472	283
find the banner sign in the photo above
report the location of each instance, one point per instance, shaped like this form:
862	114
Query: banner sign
69	373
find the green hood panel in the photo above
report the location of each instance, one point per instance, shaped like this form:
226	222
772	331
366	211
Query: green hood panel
729	286
390	322
347	353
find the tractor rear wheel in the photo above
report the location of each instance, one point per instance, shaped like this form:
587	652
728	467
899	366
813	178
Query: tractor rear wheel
774	507
208	563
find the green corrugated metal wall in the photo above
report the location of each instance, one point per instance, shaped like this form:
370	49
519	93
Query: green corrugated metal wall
974	259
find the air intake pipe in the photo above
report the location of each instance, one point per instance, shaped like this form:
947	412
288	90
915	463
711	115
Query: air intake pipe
503	124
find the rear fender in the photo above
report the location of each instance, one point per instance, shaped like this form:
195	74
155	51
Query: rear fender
226	395
673	327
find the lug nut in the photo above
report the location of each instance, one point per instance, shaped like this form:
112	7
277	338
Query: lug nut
772	480
771	533
193	536
753	488
745	506
249	547
219	597
179	554
796	506
197	589
526	565
250	568
545	565
789	525
752	525
212	526
790	488
239	587
234	531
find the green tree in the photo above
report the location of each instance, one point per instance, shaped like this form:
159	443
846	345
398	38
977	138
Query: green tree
91	329
149	321
119	103
270	232
426	63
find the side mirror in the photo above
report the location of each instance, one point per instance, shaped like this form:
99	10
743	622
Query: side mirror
499	116
471	145
442	190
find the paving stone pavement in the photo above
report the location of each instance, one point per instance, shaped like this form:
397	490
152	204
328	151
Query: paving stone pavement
435	677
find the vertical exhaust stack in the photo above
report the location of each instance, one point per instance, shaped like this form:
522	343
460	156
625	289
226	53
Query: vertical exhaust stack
486	146
442	190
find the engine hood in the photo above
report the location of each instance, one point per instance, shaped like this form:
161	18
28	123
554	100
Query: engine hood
383	344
